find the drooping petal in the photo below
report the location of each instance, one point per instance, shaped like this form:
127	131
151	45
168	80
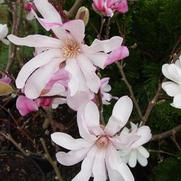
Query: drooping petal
66	141
76	29
92	80
120	115
77	80
122	7
25	105
117	169
72	157
142	160
118	54
99	167
86	167
39	41
38	80
145	135
33	64
132	158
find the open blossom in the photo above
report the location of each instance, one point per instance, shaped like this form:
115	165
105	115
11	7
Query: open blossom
67	48
108	7
4	33
173	88
98	147
136	151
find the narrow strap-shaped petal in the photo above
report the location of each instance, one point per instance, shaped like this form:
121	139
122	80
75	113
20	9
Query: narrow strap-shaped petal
72	157
40	41
120	115
34	63
66	141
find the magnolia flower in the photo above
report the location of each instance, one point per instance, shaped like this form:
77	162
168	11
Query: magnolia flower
98	147
108	7
4	33
68	47
136	152
173	88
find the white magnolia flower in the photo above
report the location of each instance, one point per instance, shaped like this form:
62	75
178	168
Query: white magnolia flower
98	147
173	88
136	152
4	33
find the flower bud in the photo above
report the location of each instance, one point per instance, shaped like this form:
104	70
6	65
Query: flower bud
83	14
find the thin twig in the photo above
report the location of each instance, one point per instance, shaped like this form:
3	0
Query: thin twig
166	134
124	78
51	161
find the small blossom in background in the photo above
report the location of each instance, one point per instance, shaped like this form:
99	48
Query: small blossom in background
4	33
68	48
173	88
136	152
28	6
99	145
108	7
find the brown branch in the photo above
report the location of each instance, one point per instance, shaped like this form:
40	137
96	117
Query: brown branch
51	161
124	78
166	134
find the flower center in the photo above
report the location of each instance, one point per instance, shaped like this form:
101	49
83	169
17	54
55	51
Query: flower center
102	142
71	48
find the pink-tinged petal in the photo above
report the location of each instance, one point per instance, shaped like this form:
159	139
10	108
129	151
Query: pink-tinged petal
35	41
116	166
25	105
66	141
106	45
78	99
98	59
77	80
122	7
76	29
47	10
36	62
117	54
120	115
83	127
38	80
92	80
145	135
86	167
72	157
99	166
44	102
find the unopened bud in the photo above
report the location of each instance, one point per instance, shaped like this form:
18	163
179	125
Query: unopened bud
83	14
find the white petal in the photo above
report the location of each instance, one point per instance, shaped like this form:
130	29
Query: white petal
120	115
106	45
114	163
76	29
72	157
143	152
86	167
172	72
145	135
142	160
77	80
34	86
33	64
99	167
132	158
89	71
5	41
177	101
66	141
36	41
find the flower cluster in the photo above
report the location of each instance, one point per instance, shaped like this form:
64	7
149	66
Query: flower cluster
64	71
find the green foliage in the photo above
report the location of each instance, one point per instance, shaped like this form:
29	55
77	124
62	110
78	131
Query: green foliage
168	170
